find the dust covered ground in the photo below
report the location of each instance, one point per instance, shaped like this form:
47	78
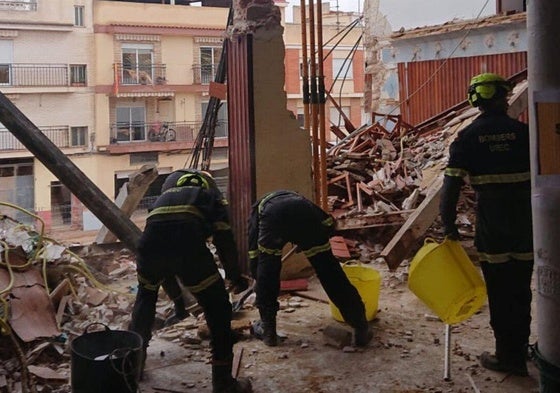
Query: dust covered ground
406	354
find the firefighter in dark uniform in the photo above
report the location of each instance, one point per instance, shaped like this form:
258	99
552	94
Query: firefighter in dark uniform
493	152
174	244
285	216
222	238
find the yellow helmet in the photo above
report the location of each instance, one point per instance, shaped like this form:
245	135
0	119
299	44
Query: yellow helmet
192	180
486	87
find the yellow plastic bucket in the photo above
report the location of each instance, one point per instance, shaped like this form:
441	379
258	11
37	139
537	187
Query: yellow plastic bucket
368	283
445	279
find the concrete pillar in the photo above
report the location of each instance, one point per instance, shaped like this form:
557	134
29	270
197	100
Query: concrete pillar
544	103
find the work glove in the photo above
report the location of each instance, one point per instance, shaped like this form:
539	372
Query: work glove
452	233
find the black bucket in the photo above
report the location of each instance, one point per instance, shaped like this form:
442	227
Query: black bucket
549	373
106	361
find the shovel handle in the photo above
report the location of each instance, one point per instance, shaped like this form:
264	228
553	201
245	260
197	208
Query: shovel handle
447	362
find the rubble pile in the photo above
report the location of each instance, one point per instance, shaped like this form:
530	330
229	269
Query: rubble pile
380	174
49	295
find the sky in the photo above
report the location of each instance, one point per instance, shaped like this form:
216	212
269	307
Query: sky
416	13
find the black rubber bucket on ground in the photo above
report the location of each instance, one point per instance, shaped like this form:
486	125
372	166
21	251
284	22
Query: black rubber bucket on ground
106	361
549	373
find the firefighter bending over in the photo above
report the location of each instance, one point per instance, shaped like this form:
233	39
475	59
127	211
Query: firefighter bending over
174	244
285	216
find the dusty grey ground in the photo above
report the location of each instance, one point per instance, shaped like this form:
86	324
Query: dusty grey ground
405	356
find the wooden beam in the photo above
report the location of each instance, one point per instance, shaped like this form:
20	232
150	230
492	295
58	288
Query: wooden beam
130	195
68	173
414	227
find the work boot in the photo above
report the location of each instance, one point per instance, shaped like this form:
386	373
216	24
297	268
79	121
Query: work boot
265	332
362	336
223	382
491	362
176	318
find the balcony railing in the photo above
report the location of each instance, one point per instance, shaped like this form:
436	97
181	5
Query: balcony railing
41	75
59	135
18	5
140	74
204	73
154	132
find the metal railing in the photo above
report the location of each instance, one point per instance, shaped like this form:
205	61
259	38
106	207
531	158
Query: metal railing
26	75
154	131
18	5
59	135
140	74
204	73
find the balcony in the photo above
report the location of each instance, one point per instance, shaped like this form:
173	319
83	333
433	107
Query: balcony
204	73
59	135
18	5
42	75
139	74
154	132
162	136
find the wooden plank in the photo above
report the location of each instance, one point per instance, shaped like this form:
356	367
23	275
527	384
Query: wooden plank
130	195
237	355
414	227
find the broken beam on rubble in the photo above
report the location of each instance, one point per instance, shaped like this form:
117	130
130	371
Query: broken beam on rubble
414	227
380	220
68	173
130	195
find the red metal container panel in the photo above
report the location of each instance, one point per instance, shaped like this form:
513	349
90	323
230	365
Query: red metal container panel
241	140
427	88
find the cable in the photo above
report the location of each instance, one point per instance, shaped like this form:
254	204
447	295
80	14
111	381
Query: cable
442	64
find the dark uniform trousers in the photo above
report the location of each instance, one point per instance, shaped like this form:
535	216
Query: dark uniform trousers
178	248
290	218
509	298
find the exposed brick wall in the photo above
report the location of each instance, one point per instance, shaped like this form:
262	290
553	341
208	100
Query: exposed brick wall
291	62
358	70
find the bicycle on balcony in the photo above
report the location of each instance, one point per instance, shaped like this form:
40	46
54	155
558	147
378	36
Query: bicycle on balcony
162	133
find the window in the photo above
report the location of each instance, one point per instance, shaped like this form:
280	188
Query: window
78	136
79	15
6	60
342	69
221	121
5	74
131	124
209	60
137	67
336	118
78	74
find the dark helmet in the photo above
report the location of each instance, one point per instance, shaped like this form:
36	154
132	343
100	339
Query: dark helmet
487	87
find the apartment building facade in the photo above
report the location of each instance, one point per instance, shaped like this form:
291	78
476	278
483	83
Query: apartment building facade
45	70
119	84
343	66
115	85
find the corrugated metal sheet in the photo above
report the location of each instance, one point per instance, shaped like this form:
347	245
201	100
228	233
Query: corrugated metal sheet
427	88
241	139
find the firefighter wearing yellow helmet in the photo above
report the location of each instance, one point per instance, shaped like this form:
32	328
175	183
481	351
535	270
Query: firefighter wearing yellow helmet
173	244
493	154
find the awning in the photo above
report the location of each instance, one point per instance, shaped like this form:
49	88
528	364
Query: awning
146	94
